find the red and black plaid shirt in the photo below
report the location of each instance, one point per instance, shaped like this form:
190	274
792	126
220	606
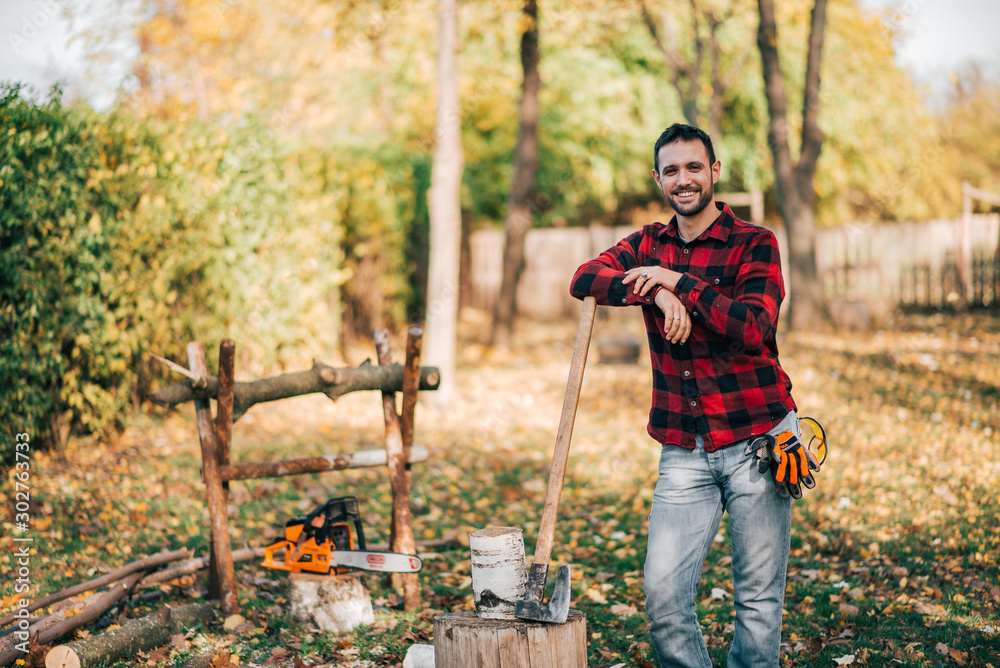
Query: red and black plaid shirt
725	383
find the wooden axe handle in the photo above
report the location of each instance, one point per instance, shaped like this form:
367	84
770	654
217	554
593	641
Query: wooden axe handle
546	532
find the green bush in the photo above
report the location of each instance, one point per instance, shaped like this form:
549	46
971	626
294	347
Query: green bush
119	237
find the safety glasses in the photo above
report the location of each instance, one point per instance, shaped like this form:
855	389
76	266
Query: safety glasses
814	437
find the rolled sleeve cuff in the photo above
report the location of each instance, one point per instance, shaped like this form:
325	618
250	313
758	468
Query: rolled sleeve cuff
622	295
631	298
689	290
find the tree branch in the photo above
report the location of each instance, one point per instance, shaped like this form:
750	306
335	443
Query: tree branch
333	382
689	103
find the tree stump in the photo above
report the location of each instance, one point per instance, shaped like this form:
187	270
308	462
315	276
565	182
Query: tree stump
463	640
334	603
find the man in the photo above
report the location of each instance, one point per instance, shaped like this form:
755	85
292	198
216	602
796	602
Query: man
710	288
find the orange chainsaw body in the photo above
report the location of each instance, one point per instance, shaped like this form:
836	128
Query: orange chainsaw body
309	541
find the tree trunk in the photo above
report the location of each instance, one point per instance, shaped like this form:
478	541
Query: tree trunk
519	205
445	212
796	194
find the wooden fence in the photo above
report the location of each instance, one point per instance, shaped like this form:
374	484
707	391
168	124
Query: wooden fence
884	264
910	263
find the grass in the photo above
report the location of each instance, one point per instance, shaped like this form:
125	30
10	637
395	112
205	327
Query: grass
894	557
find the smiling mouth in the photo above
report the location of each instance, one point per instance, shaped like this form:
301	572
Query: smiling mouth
685	195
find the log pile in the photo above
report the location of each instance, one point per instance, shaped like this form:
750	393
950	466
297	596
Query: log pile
19	630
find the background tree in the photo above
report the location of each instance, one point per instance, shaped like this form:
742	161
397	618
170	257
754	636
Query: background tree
445	212
796	192
688	72
522	184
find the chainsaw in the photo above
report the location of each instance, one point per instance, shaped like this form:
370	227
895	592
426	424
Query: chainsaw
330	539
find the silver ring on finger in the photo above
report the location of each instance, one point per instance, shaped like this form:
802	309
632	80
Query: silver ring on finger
677	317
645	274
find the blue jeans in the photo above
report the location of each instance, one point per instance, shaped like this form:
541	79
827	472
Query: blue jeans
693	489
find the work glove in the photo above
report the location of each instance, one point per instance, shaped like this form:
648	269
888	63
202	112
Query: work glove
790	463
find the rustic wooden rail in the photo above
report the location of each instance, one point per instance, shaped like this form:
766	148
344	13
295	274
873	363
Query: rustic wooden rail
234	399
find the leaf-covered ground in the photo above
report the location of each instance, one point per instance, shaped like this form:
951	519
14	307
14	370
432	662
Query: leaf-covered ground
894	555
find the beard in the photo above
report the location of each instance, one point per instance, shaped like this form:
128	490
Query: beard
695	206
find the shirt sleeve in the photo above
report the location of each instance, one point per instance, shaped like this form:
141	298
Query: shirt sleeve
751	315
602	277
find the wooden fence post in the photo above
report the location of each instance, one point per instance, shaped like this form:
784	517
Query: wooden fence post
215	494
401	532
223	432
411	387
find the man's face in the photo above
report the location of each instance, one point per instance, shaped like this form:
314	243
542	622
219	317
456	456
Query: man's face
685	178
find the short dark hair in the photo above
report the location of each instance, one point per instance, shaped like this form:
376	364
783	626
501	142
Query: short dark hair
680	132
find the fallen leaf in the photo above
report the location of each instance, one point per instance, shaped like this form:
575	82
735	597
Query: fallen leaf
233	622
848	609
278	654
927	609
845	660
178	641
623	610
221	659
946	494
596	596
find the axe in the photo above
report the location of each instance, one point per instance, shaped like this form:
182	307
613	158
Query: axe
531	607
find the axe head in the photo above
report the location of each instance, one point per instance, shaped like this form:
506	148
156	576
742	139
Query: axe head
557	610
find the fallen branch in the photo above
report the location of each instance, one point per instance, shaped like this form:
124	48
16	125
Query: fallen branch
142	564
17	636
137	635
101	604
195	565
333	382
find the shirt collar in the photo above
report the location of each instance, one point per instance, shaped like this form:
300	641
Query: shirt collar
719	229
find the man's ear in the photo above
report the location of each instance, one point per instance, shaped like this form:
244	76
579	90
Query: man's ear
716	171
656	177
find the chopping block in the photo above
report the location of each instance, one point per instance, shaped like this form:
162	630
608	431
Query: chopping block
465	640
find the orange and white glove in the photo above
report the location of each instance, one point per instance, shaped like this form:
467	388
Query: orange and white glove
790	463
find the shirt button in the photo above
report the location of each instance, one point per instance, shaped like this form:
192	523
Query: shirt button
686	251
695	314
694	403
625	300
687	373
716	281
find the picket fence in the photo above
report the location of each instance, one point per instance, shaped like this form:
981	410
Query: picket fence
883	264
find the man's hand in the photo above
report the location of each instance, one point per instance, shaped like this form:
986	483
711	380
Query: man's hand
677	321
789	462
646	278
